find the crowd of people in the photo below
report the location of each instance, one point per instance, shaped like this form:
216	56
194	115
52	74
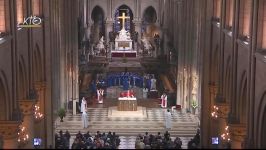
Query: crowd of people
112	141
87	141
99	141
130	78
150	141
195	142
62	140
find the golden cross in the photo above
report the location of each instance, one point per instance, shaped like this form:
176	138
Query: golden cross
123	17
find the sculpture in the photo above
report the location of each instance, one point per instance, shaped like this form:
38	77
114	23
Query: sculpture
146	44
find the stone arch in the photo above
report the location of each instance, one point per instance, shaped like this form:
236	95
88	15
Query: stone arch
263	130
215	64
117	26
150	17
242	99
37	64
97	9
150	10
119	5
98	27
227	79
261	123
4	97
22	82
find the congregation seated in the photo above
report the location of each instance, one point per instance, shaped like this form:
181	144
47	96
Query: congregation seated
99	141
195	142
150	141
62	140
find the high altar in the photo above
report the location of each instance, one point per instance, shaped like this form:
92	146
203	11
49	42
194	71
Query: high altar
123	42
127	101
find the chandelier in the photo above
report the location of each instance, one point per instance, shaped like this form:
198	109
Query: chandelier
37	113
215	112
225	136
23	136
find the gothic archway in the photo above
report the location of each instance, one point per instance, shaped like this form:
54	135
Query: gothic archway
260	126
4	99
22	83
37	64
128	22
227	80
242	99
263	130
149	19
98	28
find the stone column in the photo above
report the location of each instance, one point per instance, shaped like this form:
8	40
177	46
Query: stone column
9	131
108	28
213	88
178	92
27	107
137	24
74	107
40	86
222	120
237	134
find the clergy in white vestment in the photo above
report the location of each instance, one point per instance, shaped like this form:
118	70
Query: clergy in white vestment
145	92
84	113
164	100
168	121
100	101
153	84
83	106
98	95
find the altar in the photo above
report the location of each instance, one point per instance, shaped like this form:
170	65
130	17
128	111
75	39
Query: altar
127	104
123	42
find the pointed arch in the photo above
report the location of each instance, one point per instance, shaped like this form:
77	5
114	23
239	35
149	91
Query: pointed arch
227	79
98	27
128	23
37	64
242	98
261	125
22	79
4	97
151	11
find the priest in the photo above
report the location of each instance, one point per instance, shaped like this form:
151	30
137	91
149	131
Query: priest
164	100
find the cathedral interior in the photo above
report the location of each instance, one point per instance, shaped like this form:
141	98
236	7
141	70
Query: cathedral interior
150	73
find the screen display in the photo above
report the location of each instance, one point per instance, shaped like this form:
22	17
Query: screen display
37	141
215	140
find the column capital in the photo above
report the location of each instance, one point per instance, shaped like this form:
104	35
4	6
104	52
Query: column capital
213	88
223	110
9	129
109	21
27	106
237	132
136	21
40	85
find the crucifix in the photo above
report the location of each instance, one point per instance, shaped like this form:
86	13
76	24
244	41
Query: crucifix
123	17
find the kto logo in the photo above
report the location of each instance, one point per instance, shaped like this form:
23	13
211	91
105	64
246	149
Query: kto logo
31	22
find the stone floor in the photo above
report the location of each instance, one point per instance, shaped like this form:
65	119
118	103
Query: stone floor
184	125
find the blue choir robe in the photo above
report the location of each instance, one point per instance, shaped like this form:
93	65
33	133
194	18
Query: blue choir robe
125	84
93	87
149	84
